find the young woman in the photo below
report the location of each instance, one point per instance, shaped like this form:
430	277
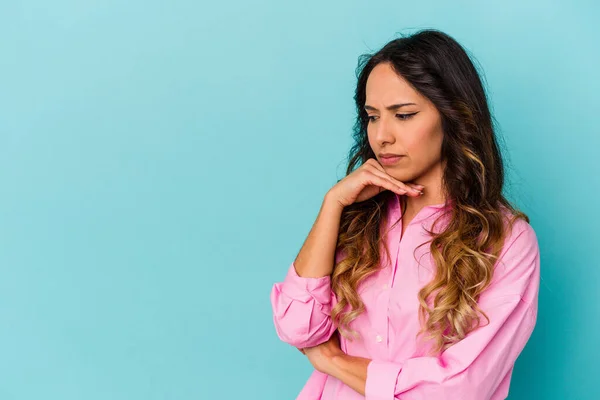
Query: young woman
418	279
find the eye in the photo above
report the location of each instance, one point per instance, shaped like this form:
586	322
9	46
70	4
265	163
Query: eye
402	117
405	116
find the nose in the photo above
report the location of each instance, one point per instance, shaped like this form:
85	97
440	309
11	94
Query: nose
384	131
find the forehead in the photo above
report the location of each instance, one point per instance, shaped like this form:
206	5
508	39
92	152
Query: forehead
386	86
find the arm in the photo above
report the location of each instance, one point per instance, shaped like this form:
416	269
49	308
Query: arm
474	367
302	302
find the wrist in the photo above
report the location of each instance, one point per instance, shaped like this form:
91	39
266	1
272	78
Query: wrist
337	365
332	201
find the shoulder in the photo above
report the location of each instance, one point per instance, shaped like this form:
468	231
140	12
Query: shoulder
517	269
519	235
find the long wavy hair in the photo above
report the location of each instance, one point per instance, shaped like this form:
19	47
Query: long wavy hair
465	251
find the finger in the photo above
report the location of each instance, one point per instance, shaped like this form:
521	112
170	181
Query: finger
380	168
396	185
377	169
382	182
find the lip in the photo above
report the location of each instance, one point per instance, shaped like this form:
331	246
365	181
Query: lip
390	159
389	155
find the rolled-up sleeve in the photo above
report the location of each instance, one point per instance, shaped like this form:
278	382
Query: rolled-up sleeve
302	308
475	367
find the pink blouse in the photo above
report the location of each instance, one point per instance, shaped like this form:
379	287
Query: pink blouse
478	367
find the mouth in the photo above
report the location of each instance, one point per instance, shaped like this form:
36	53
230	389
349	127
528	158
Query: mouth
390	160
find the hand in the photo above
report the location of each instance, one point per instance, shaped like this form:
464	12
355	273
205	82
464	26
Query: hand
367	181
320	356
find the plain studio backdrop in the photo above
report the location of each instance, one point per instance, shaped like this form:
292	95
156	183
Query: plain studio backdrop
161	163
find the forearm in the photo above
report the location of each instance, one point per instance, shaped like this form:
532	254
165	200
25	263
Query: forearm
351	370
317	255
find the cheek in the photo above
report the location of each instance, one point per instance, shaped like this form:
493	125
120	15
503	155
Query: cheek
371	137
424	144
371	141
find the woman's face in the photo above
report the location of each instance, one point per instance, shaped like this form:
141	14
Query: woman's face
413	131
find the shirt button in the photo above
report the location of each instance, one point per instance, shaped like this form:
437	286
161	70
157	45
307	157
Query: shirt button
385	286
378	338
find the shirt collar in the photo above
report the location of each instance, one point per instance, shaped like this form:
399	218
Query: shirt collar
426	212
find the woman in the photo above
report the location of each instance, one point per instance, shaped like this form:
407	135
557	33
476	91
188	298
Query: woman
418	279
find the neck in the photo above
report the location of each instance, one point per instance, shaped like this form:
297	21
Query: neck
433	193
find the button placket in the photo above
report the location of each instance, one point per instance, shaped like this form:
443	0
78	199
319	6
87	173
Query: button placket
381	325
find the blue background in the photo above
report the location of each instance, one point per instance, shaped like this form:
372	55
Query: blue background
162	162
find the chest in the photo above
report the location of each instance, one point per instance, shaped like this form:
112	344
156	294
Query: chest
390	321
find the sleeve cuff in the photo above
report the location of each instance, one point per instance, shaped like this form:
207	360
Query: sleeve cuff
381	380
297	286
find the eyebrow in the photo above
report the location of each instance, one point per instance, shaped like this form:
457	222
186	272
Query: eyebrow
390	108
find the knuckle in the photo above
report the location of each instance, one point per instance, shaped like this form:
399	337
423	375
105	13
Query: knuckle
365	173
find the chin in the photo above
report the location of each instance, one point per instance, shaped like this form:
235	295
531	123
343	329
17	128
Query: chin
403	176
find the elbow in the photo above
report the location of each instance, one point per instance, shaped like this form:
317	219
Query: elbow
466	385
302	335
301	323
